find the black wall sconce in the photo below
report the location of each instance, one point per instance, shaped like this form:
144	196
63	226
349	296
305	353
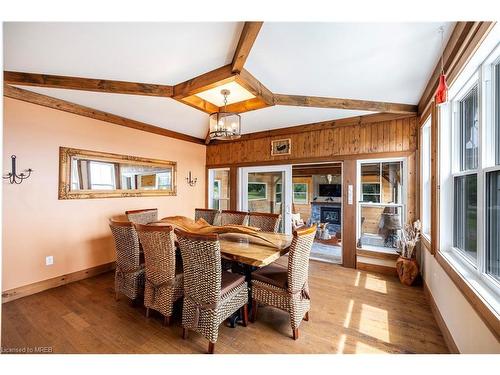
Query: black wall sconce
190	180
15	178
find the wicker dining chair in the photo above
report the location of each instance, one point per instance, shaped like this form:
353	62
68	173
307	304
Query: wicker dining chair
205	213
287	288
129	273
233	217
164	279
210	294
145	216
265	221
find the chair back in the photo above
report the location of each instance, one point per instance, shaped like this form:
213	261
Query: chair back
265	221
159	252
298	258
145	216
126	244
201	261
233	217
205	213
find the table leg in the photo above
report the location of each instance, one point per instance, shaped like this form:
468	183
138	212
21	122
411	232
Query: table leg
236	317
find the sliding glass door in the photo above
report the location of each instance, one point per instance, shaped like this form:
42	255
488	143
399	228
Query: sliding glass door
267	189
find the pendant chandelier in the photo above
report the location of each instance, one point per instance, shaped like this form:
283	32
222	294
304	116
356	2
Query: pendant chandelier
225	125
442	89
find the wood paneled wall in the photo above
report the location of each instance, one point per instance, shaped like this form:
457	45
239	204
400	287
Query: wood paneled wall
347	140
326	141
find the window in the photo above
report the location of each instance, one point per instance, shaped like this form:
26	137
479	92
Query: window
164	180
257	190
468	129
496	97
216	192
380	204
102	175
300	193
426	178
470	175
371	193
218	189
278	193
493	224
466	126
465	214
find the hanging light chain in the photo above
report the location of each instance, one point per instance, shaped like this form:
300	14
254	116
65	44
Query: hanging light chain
441	30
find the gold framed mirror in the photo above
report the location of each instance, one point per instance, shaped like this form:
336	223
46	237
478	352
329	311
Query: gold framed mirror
85	174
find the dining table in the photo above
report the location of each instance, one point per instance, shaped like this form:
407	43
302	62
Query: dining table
248	252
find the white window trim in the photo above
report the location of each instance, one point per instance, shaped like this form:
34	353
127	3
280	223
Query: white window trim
427	124
404	190
211	180
487	288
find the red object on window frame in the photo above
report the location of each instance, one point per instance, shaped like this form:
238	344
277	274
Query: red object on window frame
442	90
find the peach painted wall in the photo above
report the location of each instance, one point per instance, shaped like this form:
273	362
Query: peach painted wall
75	232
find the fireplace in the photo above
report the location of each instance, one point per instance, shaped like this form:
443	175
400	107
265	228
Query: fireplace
330	215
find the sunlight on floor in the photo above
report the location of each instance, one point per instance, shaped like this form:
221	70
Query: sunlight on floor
376	284
341	344
374	322
349	314
358	275
364	348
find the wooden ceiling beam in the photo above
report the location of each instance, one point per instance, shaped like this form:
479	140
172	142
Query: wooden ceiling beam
86	84
253	85
247	105
354	104
203	82
245	43
199	103
62	105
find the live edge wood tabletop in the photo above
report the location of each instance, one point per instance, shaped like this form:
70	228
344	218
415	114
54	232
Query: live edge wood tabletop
250	250
254	251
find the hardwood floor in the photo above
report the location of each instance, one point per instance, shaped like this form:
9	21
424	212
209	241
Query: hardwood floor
352	312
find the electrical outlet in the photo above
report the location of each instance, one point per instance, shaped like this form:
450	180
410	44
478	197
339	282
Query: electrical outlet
49	260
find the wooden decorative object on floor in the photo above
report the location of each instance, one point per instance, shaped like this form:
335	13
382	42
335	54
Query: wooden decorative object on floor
406	265
407	270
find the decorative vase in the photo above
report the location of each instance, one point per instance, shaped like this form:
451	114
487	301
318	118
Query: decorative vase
407	270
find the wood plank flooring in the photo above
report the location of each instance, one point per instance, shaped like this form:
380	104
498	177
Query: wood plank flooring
352	312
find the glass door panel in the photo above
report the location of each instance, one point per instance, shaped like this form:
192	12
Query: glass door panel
267	189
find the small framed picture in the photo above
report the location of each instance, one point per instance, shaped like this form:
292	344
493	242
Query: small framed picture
281	147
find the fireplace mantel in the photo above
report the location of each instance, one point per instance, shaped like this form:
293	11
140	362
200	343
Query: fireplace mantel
325	203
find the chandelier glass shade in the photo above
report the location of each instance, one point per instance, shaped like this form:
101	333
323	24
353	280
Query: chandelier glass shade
224	125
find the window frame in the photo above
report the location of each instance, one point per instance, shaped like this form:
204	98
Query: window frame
473	273
211	180
404	191
426	125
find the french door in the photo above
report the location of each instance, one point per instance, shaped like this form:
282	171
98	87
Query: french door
267	189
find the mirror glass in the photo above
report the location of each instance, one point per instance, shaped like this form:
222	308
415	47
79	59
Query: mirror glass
86	174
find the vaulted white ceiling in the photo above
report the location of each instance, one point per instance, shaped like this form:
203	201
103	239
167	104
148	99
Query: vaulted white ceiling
163	53
372	61
382	62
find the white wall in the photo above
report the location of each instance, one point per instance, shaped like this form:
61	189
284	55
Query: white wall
469	332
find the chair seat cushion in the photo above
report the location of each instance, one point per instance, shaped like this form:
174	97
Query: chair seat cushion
230	281
272	274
